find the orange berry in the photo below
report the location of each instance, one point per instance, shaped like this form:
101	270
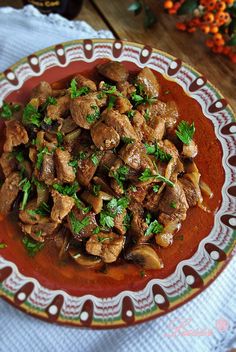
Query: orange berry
220	42
209	43
205	29
181	26
191	29
229	2
172	11
217	36
221	6
168	4
214	29
211	5
209	17
204	2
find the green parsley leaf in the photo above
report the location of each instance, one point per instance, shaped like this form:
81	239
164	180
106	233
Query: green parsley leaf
75	93
49	101
173	205
7	110
120	175
42	210
31	246
40	157
106	220
130	114
108	88
37	183
147	175
127	221
73	163
93	117
82	156
116	206
111	102
77	225
147	114
133	188
94	159
26	188
47	120
185	132
3	245
96	230
67	190
31	116
59	138
153	228
155	150
80	205
155	188
96	190
127	140
148	218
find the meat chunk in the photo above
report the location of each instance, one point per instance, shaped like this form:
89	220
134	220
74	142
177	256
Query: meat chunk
191	192
171	114
9	192
47	169
152	201
158	126
87	169
114	71
137	193
39	231
62	205
190	151
8	163
85	82
131	154
105	245
126	88
120	123
104	137
169	148
84	111
139	226
119	223
59	110
42	92
26	215
16	134
87	222
123	104
173	205
149	82
65	172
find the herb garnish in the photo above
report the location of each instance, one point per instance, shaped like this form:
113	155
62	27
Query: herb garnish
111	102
7	110
155	150
43	210
82	155
3	245
77	225
173	205
75	93
31	246
26	188
49	101
155	188
113	208
94	159
59	138
147	114
106	219
127	140
120	175
47	120
96	190
31	116
130	114
40	157
93	117
67	190
96	230
185	131
139	97
147	175
154	227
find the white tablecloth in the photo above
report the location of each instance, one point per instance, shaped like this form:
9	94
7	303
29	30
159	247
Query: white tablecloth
208	323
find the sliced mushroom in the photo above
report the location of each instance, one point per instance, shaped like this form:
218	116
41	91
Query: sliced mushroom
145	256
84	260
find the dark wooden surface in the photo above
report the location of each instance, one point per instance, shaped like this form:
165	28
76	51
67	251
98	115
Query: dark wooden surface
113	15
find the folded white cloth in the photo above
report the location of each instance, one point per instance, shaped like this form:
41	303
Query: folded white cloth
208	323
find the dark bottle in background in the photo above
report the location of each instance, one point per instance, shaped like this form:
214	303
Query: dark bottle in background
66	8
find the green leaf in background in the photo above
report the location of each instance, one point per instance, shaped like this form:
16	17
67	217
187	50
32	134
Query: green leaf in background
188	7
232	40
149	17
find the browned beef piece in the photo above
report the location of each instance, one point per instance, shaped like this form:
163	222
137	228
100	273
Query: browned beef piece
42	92
58	110
120	123
68	125
86	171
190	151
126	88
158	126
107	160
8	163
9	192
138	225
47	169
105	245
119	223
149	82
114	71
152	200
137	193
171	114
16	134
116	187
82	108
27	218
138	121
33	154
62	205
156	109
123	104
104	185
104	137
39	231
132	155
168	147
79	215
65	172
191	193
85	82
173	205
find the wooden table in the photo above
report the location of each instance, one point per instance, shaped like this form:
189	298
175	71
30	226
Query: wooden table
113	15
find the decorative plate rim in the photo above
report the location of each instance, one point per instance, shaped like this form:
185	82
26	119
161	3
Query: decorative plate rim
156	298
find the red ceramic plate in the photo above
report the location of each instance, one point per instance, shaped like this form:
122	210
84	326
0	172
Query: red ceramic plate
124	296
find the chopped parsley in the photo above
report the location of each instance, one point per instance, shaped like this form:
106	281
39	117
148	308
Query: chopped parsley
106	219
40	157
127	140
133	188
82	156
77	225
130	114
42	210
96	190
95	159
73	163
116	206
155	188
139	97
173	205
102	239
49	101
59	138
153	228
18	154
185	131
96	230
74	92
155	150
31	116
26	188
147	175
31	246
111	102
127	221
148	218
3	245
47	120
7	110
91	118
120	175
109	89
67	190
147	114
